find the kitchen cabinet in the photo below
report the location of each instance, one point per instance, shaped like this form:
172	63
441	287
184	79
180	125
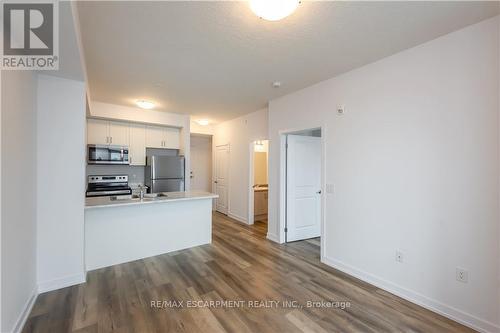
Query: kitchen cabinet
103	132
137	147
97	132
260	202
133	135
155	136
162	137
172	140
118	133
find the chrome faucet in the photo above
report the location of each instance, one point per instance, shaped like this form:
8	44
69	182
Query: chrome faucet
141	193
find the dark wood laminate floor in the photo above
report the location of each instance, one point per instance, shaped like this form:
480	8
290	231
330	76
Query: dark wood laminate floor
240	265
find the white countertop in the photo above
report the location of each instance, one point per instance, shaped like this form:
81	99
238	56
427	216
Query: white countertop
103	202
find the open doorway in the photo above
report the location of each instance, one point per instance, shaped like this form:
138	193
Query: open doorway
301	194
258	190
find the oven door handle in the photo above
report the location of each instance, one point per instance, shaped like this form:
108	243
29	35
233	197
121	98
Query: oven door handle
98	193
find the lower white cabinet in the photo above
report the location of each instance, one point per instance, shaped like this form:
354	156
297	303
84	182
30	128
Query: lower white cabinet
260	202
137	148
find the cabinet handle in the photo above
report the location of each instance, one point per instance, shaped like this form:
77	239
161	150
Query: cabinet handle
110	139
107	139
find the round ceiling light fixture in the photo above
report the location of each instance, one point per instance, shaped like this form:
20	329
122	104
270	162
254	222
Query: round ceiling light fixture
203	122
143	104
273	10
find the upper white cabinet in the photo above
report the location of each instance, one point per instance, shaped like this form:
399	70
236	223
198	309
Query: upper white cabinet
119	133
172	138
155	136
103	132
136	136
137	148
97	132
162	137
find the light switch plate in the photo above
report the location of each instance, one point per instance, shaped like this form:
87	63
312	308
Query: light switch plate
462	275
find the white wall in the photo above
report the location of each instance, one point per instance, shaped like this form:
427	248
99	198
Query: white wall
414	164
126	113
18	242
201	163
240	133
60	182
260	168
132	114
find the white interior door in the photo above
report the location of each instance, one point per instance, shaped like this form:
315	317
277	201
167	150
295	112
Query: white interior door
303	207
201	163
221	177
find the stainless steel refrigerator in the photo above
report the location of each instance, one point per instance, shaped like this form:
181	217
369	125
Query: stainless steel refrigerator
164	173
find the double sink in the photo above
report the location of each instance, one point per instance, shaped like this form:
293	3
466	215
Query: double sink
135	197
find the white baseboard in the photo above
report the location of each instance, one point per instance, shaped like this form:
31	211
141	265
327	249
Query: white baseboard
273	237
21	320
237	218
64	282
414	297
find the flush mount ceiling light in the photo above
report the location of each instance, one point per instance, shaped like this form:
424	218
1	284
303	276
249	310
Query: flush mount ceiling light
203	122
145	104
273	10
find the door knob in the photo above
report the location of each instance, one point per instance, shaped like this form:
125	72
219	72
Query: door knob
215	182
319	192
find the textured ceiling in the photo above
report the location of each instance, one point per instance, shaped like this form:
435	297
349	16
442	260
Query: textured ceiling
218	60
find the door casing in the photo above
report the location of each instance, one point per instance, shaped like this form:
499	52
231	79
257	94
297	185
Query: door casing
282	182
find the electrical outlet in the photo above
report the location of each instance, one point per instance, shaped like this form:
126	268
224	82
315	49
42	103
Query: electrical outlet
462	275
329	188
340	110
399	256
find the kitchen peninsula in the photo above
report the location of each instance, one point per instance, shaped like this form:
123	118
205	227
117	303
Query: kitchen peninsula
122	230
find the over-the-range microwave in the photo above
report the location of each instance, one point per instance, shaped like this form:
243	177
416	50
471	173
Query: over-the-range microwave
104	154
